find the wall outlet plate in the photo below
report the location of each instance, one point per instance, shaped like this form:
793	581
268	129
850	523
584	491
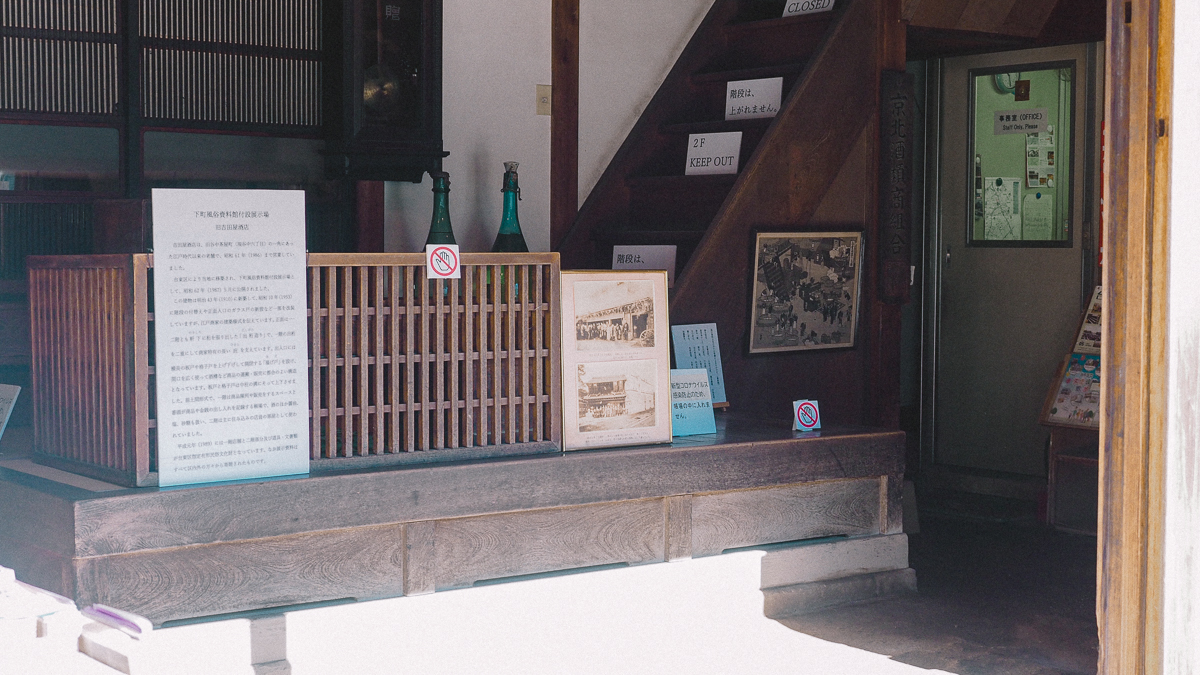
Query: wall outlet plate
543	99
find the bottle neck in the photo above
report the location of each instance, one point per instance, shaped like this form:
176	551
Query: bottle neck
440	231
509	223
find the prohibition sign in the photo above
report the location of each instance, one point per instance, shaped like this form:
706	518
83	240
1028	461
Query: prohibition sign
443	262
807	415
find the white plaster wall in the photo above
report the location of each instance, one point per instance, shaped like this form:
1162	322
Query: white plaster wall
494	54
1181	596
626	49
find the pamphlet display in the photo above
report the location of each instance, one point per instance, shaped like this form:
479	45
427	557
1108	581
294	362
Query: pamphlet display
1075	402
1090	329
8	401
231	335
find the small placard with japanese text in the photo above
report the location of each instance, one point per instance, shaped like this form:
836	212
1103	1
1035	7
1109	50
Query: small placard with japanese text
696	346
648	257
753	99
691	403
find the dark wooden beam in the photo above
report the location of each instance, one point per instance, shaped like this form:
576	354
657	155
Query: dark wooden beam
368	216
564	118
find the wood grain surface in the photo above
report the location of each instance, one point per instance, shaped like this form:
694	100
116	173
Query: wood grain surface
789	513
757	455
193	581
679	527
509	544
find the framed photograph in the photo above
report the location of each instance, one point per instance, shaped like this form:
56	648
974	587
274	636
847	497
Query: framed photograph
616	359
806	291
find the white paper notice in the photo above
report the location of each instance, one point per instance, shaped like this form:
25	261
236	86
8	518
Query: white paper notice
1024	121
714	153
231	334
8	401
696	346
1037	216
1001	208
794	7
753	99
647	257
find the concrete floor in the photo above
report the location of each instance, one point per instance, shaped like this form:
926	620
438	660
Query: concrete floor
996	595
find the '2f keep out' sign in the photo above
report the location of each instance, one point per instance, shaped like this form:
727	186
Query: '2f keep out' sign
441	261
806	416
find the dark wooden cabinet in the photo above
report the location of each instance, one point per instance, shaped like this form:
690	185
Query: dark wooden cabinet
384	61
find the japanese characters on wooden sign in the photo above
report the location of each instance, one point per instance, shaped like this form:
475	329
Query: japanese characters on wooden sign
895	195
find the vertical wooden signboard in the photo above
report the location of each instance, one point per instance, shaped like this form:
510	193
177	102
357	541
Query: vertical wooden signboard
895	195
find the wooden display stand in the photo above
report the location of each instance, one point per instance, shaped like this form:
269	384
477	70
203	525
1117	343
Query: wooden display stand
1072	496
401	368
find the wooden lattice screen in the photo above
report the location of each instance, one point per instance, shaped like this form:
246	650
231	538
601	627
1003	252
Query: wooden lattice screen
401	368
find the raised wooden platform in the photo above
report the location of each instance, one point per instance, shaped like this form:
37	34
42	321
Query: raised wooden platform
184	553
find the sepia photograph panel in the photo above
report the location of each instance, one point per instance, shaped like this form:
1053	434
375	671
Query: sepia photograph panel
614	315
616	395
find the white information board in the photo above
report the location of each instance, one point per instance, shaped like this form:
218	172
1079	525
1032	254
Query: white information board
231	334
713	153
753	99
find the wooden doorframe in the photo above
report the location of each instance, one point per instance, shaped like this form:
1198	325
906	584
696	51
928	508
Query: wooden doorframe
1129	597
564	118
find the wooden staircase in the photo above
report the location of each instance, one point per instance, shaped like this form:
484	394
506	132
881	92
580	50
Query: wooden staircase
814	167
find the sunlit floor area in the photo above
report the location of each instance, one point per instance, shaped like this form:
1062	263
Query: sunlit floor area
997	595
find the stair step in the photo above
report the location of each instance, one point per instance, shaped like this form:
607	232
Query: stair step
715	126
772	42
776	70
678	237
743	28
676	202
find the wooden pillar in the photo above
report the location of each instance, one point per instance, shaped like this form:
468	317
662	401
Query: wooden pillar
883	366
564	118
1134	398
368	216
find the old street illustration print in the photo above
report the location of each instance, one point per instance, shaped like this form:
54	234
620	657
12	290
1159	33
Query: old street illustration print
806	289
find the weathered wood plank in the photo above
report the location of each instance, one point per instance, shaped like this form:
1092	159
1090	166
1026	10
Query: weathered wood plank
679	527
193	581
419	561
489	547
753	455
750	517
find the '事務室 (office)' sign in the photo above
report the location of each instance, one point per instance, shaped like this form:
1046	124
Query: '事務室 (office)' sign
231	334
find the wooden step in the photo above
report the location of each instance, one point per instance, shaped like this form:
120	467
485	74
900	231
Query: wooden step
776	70
773	42
676	202
715	126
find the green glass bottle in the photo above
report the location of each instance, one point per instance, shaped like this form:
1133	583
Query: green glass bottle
440	231
509	239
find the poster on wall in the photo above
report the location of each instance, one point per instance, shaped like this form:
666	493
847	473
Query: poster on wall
806	290
1075	400
231	334
1001	209
615	358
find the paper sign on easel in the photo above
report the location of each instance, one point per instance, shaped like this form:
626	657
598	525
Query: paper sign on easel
753	99
8	401
648	257
696	346
715	153
795	7
691	403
